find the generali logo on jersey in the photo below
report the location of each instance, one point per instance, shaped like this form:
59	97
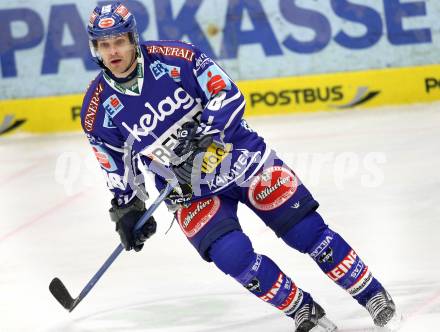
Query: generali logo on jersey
198	214
90	117
172	51
272	188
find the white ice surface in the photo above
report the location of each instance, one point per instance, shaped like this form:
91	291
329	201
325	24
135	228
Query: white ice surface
389	213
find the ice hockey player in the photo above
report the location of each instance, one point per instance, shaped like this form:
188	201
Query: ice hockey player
166	106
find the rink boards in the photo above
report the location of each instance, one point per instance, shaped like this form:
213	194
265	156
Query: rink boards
326	92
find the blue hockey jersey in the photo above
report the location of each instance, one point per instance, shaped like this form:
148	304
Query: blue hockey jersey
135	129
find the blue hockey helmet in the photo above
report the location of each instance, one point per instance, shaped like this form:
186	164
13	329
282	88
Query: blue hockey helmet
108	21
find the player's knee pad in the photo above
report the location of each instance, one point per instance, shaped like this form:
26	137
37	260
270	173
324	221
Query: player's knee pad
213	234
232	253
305	234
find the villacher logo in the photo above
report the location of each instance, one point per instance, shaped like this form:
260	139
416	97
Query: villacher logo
9	124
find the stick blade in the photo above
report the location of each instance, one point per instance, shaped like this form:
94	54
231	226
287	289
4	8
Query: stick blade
60	292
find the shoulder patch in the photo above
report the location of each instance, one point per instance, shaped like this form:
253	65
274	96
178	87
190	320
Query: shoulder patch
92	108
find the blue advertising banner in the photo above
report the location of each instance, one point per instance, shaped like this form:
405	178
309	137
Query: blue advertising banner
44	46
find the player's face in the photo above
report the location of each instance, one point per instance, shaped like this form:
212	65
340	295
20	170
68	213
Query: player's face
118	54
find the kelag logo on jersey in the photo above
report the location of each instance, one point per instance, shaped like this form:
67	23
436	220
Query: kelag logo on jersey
213	80
113	105
179	101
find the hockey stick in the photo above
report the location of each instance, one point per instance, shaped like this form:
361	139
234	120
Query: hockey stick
60	292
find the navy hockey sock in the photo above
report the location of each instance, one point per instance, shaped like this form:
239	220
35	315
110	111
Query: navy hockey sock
233	254
334	256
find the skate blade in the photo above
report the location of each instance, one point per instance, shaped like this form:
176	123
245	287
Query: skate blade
325	325
393	325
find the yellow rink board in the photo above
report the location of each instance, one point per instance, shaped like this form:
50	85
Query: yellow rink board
338	91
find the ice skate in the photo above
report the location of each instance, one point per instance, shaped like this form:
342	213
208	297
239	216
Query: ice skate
311	317
382	309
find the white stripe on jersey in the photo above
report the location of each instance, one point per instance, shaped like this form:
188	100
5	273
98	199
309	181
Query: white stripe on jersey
230	100
114	148
239	108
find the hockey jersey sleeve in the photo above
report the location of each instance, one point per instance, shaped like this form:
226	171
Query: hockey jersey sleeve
120	170
224	102
117	163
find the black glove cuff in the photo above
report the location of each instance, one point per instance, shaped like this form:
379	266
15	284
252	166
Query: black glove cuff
117	212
